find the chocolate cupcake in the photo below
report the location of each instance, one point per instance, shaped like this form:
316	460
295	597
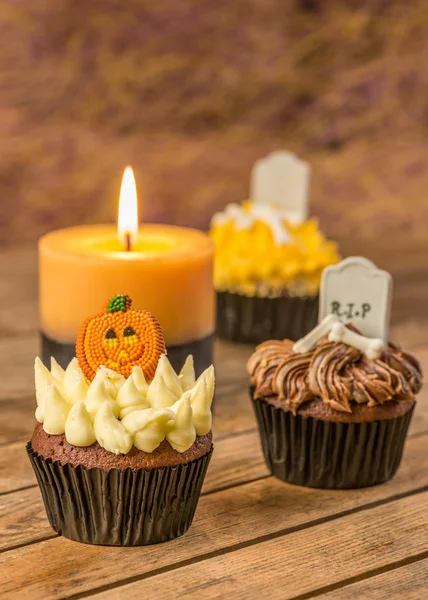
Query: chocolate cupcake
269	257
122	443
330	416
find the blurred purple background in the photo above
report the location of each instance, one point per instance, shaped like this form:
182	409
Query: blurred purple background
190	93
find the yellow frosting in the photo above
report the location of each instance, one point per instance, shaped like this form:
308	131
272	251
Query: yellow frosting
252	258
119	413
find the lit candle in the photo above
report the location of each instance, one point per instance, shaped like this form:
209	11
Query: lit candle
165	269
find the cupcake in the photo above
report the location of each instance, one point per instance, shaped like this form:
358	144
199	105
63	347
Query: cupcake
269	256
335	415
122	442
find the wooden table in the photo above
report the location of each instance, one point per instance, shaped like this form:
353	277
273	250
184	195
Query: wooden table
253	536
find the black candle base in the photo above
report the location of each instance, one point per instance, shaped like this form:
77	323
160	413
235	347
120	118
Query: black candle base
202	351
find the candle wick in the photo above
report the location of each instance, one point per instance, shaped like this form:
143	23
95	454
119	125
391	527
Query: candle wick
128	241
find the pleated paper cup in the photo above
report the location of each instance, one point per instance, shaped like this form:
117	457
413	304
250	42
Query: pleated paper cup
321	454
253	320
119	508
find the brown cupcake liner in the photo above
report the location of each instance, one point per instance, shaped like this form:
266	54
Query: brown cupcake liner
314	453
253	320
119	508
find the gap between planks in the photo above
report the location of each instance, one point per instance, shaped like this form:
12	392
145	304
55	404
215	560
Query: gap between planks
232	447
313	556
407	579
225	522
16	472
242	564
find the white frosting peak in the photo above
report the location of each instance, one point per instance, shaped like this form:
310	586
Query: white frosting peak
97	396
187	374
43	379
110	432
139	380
79	430
148	427
117	379
71	371
158	395
57	371
56	411
201	396
181	433
129	397
75	383
102	377
165	370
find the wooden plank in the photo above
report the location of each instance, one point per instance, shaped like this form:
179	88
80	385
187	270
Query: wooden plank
233	417
236	459
23	518
15	468
17	356
224	521
230	361
232	411
17	420
311	559
409	582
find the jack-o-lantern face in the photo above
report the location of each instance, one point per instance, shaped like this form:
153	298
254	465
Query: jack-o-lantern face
119	339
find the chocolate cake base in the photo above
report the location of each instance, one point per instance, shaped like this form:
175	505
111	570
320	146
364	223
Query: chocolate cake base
202	351
56	448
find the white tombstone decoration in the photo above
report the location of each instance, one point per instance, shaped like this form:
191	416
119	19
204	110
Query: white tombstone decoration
357	292
282	180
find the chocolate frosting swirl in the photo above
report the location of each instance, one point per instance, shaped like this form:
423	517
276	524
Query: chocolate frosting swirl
338	374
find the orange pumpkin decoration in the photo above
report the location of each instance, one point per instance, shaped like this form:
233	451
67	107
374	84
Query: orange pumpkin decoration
120	338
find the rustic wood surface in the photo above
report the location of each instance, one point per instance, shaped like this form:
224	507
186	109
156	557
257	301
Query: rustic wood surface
253	536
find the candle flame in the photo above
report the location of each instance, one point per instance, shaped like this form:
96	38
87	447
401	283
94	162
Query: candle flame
127	223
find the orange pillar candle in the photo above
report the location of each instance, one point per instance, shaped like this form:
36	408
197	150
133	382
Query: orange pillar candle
165	269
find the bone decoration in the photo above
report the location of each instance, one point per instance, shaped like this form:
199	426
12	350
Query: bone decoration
370	347
308	342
